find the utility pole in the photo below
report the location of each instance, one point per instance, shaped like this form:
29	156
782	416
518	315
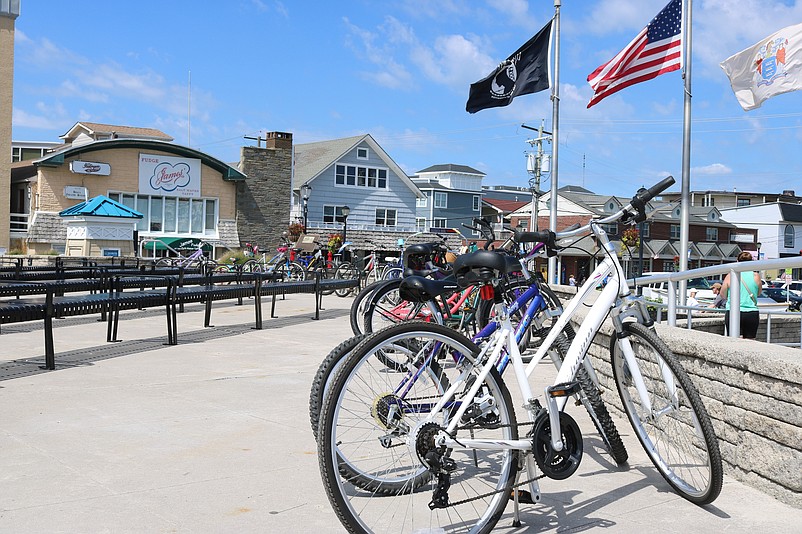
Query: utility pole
537	163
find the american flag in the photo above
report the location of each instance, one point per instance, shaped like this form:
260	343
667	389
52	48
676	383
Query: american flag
657	49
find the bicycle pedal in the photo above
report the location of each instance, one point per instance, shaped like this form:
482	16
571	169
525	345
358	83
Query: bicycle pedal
524	496
564	390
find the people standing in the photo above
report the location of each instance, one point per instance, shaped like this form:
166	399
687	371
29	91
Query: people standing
571	280
750	288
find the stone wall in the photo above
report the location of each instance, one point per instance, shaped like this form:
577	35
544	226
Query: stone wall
753	392
264	198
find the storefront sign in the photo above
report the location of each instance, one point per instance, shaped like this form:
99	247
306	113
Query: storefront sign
75	192
90	167
169	176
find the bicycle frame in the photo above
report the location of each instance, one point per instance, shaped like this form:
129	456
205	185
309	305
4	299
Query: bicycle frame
504	338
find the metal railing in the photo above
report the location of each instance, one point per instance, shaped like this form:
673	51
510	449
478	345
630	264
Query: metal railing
678	281
19	222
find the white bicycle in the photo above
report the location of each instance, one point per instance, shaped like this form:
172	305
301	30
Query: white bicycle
437	447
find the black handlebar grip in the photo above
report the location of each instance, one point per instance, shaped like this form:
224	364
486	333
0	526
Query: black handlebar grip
656	189
546	236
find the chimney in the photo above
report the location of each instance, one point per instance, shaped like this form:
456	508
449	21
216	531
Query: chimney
278	140
789	193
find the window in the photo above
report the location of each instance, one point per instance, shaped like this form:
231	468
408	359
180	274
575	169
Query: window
333	214
477	202
385	217
711	234
674	231
708	201
421	202
645	233
743	202
440	200
611	228
171	215
358	176
362	153
420	224
439	222
788	236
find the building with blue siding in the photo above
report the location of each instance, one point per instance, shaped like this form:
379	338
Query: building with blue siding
453	197
354	172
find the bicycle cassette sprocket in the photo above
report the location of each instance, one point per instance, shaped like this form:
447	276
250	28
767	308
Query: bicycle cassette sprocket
557	465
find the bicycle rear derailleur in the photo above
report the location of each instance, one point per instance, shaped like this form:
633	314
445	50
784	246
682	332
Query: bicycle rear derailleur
435	459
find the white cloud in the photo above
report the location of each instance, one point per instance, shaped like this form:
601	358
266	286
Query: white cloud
45	118
712	169
517	12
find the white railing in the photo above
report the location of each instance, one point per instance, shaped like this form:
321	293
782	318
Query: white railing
19	223
678	281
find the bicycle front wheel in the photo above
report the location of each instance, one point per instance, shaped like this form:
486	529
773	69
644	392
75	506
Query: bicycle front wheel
675	431
376	425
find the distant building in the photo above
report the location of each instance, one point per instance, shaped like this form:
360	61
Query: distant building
453	197
9	11
182	193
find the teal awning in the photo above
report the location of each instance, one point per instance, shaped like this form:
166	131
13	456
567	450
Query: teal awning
182	244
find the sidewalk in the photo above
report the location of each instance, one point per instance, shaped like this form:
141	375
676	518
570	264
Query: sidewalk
212	435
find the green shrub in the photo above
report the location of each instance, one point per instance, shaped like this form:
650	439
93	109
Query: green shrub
15	252
236	257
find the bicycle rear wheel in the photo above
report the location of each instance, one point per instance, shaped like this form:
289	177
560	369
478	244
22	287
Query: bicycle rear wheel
345	271
290	272
359	304
368	429
676	433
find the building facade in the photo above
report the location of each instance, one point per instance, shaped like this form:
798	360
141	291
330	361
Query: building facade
9	11
182	193
452	197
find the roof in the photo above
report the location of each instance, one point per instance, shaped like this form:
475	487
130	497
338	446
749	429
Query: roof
450	167
56	159
790	212
311	159
505	206
101	206
96	129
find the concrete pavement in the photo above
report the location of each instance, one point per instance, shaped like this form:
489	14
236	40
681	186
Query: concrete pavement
212	435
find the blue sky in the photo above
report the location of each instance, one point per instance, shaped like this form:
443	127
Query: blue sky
401	71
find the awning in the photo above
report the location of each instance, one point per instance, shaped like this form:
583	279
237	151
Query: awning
176	243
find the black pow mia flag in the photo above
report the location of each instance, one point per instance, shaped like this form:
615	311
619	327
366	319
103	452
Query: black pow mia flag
525	71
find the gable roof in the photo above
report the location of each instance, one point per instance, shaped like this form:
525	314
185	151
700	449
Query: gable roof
311	159
101	206
505	206
55	159
450	167
97	130
790	212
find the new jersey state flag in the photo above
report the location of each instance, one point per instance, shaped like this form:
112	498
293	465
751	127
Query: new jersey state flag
771	67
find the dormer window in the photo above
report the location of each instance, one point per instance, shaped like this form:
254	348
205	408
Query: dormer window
712	216
676	212
611	206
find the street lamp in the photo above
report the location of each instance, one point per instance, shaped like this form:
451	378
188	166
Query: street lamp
759	244
346	211
305	190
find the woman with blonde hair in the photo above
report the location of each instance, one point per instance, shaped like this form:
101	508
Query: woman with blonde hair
750	289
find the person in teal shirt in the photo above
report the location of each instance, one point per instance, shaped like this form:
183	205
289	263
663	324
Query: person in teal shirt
750	289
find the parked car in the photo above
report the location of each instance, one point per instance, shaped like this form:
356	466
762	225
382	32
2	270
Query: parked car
781	294
659	290
794	285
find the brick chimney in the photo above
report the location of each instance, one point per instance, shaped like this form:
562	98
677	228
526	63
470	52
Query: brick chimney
278	140
264	199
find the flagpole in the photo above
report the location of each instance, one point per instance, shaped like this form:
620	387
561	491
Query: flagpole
555	138
686	147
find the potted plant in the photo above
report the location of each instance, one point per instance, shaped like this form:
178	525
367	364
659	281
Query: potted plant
335	242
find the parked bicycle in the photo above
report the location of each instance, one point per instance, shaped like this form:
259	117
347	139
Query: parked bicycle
196	260
437	445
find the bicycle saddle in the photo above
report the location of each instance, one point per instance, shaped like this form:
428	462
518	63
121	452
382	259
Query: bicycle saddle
420	289
481	267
